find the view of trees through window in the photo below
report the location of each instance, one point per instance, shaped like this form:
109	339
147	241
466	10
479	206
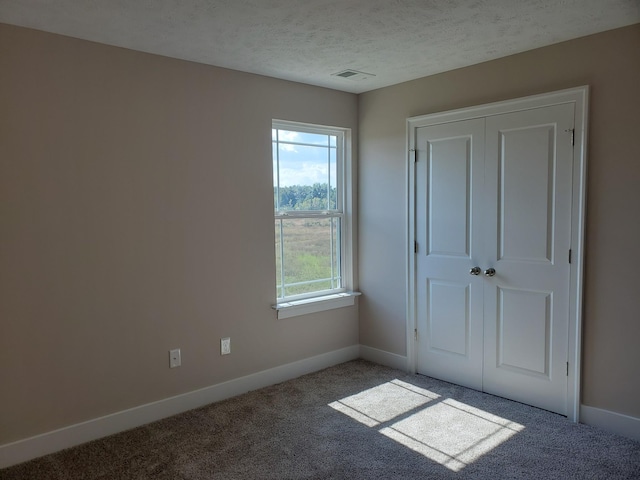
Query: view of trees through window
307	215
306	197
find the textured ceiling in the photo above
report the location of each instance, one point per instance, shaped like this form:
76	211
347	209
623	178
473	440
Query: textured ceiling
307	41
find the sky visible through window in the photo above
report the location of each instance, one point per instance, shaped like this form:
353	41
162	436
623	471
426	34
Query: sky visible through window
304	158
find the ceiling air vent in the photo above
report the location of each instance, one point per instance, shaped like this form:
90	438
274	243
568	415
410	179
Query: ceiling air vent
353	75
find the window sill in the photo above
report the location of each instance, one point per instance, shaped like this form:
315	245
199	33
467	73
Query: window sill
316	304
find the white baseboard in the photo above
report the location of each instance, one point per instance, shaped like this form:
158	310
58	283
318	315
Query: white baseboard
383	357
611	421
50	442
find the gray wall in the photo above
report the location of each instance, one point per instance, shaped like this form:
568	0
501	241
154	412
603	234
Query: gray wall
610	64
136	217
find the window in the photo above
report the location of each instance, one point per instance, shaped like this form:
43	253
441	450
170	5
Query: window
312	211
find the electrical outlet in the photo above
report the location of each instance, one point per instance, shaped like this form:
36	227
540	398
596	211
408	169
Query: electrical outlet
225	346
174	358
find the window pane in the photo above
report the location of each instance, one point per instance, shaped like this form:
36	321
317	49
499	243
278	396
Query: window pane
310	255
333	180
302	137
335	243
305	174
279	272
275	175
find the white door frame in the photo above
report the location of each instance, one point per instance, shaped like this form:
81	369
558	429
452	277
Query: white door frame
579	97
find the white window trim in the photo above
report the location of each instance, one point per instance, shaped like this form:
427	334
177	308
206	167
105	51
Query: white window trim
295	308
345	296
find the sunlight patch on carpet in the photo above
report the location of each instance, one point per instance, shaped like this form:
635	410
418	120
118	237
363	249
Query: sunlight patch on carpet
384	402
444	430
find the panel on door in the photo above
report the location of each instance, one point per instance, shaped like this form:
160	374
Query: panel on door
448	317
449	173
527	208
523	314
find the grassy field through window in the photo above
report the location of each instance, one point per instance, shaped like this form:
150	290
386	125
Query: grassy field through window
310	253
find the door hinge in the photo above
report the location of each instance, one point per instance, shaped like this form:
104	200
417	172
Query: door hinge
414	155
415	247
573	135
567	369
415	334
569	255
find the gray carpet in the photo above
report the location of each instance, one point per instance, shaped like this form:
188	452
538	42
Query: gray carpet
353	421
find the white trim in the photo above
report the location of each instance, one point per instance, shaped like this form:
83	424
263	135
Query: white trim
578	226
315	304
383	357
577	94
579	97
39	445
613	422
411	327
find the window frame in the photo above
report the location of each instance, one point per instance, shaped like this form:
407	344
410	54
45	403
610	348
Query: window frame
301	304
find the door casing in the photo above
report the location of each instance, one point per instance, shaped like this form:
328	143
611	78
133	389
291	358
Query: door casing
579	97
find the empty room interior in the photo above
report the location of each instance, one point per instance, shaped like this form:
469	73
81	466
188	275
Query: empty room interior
470	189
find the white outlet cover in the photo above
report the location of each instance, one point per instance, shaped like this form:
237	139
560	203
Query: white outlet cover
225	346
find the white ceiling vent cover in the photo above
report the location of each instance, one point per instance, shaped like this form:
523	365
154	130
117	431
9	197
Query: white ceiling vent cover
353	75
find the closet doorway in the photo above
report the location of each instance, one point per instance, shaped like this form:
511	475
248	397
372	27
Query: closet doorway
496	218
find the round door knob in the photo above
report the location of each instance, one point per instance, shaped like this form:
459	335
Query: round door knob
489	272
475	271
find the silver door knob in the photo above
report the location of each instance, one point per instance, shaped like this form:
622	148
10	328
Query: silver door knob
475	271
489	272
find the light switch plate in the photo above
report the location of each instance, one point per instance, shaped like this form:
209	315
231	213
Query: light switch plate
174	358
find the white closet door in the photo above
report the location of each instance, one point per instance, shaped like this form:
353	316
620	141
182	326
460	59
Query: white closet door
527	227
449	185
495	193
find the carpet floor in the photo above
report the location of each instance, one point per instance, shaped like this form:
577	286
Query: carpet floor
353	421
